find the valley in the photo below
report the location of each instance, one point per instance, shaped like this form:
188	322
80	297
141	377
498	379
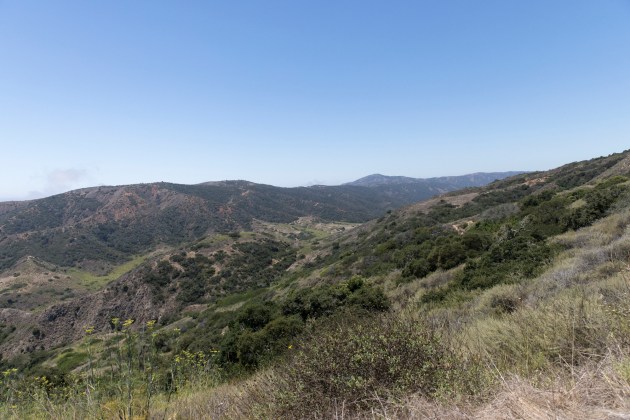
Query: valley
167	298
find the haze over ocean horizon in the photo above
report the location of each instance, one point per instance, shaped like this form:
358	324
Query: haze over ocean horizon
293	94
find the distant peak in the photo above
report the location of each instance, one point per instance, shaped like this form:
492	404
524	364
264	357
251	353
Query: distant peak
474	179
379	179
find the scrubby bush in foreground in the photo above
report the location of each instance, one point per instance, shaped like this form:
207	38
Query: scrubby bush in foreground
356	361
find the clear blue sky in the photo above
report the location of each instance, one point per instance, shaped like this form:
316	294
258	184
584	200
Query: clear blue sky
300	92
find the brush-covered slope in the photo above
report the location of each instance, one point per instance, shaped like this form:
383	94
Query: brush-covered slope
443	299
519	213
102	226
107	224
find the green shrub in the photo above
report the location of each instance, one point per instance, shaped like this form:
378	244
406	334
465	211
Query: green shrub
598	202
370	298
326	300
255	316
448	255
269	343
417	268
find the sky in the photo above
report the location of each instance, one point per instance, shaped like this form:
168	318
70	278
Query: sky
301	92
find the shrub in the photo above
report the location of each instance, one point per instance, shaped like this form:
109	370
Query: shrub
256	348
598	202
370	299
255	316
326	300
355	360
448	255
417	268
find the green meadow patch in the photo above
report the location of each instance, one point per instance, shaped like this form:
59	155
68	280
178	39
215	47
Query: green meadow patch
95	282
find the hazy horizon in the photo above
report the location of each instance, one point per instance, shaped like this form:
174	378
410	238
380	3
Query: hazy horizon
35	197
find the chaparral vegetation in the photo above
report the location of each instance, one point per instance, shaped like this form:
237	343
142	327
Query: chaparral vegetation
507	300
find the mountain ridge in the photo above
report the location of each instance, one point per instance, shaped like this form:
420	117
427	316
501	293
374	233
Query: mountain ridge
106	223
466	180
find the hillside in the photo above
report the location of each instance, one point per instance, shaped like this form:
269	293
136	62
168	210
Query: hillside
100	227
62	249
104	225
476	303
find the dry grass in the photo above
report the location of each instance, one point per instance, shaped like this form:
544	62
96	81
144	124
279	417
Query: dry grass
248	399
594	391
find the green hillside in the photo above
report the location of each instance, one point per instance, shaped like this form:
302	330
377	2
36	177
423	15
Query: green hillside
508	300
100	227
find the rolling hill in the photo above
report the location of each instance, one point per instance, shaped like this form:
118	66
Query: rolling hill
101	226
513	287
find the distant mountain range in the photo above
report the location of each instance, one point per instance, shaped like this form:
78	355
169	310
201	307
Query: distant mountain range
444	182
109	223
408	190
